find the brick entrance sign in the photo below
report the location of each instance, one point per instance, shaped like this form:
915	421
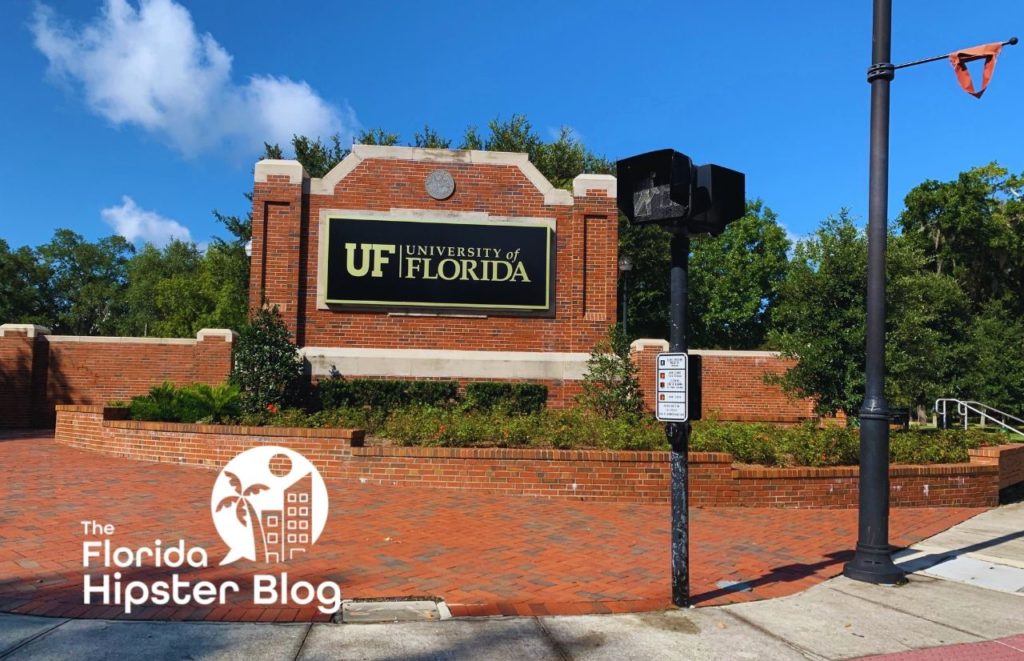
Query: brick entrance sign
431	263
405	263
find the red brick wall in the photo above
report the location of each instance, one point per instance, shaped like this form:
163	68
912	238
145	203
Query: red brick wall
18	356
1009	458
36	375
733	384
589	475
104	430
284	265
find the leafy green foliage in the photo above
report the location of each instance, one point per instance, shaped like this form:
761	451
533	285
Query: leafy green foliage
735	279
819	319
23	287
385	394
429	139
610	387
86	282
377	136
973	229
993	359
194	403
809	445
267	367
552	429
512	398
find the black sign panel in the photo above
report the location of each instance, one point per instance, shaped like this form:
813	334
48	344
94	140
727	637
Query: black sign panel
499	266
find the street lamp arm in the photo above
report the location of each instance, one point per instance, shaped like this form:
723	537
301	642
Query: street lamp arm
1012	41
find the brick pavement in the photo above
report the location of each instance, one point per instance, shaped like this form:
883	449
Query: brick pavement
1003	649
485	555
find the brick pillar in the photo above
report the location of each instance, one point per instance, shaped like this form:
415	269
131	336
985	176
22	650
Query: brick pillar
596	223
212	361
274	269
644	354
23	367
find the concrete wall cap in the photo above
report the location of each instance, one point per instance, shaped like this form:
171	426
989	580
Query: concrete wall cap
100	339
661	346
585	182
30	330
272	166
225	334
552	196
644	344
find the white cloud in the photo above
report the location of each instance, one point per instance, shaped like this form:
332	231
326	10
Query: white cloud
141	226
148	66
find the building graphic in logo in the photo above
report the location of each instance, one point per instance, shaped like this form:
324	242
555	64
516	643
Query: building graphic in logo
268	503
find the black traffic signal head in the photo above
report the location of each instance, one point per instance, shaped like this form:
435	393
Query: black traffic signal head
655	187
719	197
665	187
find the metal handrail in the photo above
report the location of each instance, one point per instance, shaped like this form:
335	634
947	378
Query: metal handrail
984	412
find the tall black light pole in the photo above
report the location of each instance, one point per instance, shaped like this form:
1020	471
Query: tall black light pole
872	561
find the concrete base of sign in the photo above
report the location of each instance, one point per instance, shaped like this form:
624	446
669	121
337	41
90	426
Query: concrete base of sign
432	363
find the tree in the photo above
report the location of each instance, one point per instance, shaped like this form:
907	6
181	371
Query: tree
86	282
266	365
148	274
611	387
973	229
993	359
429	139
734	281
23	287
318	158
819	319
377	136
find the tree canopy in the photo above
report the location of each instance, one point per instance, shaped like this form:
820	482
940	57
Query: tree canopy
955	278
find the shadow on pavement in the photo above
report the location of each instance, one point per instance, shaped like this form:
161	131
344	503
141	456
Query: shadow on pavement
782	574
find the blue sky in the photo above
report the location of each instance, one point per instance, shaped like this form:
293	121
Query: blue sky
144	118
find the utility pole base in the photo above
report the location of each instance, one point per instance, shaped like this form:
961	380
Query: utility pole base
874	565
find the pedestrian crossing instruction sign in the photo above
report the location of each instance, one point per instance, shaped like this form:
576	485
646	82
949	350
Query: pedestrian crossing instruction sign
672	405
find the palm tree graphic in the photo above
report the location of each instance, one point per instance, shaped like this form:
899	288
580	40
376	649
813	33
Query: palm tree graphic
244	510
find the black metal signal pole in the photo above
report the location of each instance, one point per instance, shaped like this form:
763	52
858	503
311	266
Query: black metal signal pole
678	433
872	561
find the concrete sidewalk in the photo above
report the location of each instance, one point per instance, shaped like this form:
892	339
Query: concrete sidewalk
838	619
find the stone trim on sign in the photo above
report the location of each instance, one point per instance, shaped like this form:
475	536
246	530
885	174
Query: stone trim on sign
436	363
584	183
326	185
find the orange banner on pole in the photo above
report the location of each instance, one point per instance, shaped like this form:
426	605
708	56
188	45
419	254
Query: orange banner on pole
960	58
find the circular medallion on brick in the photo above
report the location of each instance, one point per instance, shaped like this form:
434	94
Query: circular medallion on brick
440	185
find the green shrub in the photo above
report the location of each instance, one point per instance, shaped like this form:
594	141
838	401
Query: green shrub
747	443
428	426
385	394
513	398
266	363
610	386
158	406
198	402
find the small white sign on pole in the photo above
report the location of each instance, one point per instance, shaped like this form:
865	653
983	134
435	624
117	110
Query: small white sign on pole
670	388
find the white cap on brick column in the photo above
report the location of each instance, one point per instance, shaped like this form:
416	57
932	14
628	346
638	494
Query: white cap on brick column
225	334
661	346
30	330
272	166
585	182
